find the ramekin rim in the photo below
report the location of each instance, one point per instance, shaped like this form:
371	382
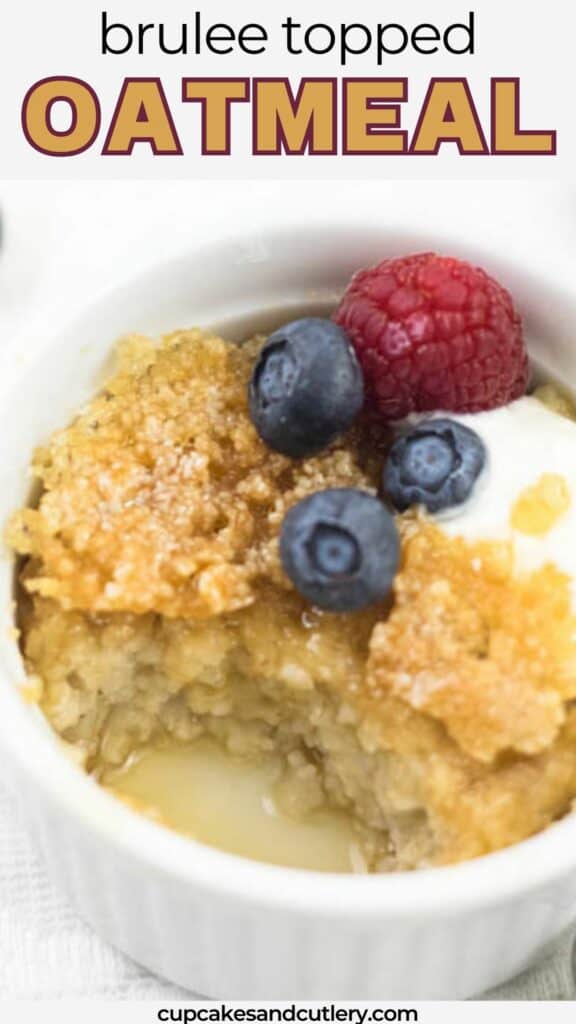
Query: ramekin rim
447	890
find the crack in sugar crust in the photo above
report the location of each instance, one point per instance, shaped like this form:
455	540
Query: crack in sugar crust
274	677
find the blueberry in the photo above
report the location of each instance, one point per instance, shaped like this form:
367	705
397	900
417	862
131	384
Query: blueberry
306	388
434	464
340	548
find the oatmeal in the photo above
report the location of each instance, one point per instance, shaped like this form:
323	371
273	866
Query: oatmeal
159	609
429	708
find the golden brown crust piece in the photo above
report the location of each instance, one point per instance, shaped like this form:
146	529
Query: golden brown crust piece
160	495
488	652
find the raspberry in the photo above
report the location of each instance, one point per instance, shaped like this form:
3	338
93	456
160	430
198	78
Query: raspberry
434	333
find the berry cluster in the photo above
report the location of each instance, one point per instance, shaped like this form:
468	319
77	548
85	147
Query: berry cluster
421	334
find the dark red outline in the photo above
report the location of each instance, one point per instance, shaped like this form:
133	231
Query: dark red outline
60	78
106	151
294	101
203	102
48	117
442	139
553	135
374	128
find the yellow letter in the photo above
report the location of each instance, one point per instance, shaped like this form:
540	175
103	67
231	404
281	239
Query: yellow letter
506	135
37	121
142	114
449	115
294	125
366	117
215	95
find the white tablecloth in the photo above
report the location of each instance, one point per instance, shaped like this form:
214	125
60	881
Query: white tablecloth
62	244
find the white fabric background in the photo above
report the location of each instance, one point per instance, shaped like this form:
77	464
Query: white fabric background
62	244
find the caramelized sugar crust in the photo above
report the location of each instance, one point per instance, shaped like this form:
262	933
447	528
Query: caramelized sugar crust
539	507
441	719
160	495
486	651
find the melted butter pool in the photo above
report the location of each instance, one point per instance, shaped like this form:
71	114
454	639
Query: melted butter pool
221	801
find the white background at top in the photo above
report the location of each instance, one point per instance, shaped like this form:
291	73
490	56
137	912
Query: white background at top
514	38
63	243
66	242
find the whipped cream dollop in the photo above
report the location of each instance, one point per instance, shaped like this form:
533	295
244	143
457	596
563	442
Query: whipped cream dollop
527	491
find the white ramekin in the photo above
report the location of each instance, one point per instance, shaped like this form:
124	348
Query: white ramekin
215	923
